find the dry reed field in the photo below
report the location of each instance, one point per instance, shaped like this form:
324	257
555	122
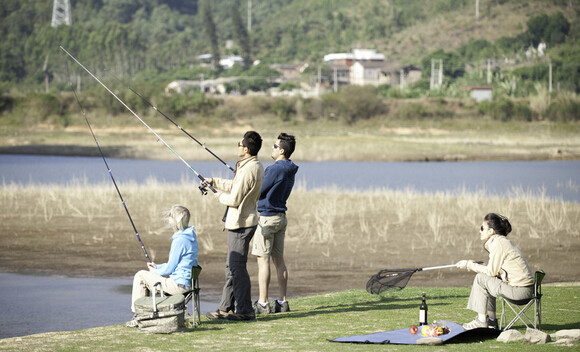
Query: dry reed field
336	240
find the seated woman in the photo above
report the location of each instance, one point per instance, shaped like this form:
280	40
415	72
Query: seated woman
506	274
174	275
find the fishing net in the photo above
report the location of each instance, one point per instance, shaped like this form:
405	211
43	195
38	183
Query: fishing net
389	279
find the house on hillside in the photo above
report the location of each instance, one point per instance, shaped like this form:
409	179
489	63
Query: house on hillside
361	67
367	73
480	93
212	86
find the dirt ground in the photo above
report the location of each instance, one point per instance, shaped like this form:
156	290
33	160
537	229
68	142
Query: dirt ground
313	269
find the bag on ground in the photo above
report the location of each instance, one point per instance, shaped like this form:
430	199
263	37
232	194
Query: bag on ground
160	315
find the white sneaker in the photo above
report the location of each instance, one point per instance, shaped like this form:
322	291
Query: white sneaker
475	324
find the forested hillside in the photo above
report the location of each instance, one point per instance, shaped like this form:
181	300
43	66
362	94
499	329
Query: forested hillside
163	38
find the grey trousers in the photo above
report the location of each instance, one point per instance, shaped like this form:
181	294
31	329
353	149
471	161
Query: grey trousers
486	289
236	294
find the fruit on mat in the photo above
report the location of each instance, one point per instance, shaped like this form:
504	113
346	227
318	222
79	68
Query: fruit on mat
413	329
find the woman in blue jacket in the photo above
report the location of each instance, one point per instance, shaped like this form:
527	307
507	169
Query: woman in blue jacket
174	275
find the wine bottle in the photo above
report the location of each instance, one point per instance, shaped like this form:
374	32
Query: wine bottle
423	311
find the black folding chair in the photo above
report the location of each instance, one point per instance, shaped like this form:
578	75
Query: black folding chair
520	312
193	296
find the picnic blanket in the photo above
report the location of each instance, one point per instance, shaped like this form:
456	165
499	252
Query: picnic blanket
404	337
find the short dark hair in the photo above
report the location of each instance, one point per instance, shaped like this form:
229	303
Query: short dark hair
288	143
499	223
253	142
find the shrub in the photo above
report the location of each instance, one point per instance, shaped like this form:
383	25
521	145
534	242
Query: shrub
505	110
283	108
6	103
353	103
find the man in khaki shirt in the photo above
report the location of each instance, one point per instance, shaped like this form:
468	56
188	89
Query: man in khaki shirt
240	195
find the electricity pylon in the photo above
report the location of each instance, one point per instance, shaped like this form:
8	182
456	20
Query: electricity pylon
61	13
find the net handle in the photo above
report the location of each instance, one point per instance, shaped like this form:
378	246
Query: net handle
442	266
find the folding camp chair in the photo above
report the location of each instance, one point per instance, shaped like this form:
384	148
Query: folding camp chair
520	312
193	296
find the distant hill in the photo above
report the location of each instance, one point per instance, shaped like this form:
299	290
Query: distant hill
165	36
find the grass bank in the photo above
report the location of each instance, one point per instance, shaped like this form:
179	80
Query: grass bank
411	130
312	322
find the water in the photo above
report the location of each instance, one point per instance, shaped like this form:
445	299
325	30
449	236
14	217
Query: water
36	304
558	179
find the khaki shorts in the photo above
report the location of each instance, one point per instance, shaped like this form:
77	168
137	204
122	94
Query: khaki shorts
269	237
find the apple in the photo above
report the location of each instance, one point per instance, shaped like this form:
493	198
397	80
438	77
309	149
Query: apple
413	329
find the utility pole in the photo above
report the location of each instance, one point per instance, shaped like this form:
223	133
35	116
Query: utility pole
335	80
249	16
488	71
319	78
440	73
402	79
477	10
550	86
432	80
60	15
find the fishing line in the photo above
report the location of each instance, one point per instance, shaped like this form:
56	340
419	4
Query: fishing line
112	178
201	188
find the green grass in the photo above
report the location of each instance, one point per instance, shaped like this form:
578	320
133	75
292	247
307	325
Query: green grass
313	321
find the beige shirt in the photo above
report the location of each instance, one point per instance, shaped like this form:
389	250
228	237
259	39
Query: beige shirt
241	194
505	256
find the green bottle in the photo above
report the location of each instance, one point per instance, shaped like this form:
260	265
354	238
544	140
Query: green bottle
423	312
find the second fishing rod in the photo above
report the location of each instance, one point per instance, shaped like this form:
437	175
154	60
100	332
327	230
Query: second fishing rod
181	129
203	181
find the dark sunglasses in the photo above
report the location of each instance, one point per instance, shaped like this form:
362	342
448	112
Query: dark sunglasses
276	146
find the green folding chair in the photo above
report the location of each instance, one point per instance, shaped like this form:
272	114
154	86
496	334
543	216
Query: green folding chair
193	296
521	307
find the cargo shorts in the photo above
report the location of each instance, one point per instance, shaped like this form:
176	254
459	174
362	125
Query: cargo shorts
269	237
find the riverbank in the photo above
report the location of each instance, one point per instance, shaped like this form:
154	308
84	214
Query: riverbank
373	140
335	240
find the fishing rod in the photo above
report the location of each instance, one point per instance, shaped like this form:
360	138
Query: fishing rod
112	178
201	188
182	130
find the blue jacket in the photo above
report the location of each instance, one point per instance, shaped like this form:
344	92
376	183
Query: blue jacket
182	256
276	188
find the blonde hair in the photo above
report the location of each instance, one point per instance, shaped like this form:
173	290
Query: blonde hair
178	217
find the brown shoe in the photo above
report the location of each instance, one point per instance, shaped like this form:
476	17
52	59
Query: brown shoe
240	317
219	314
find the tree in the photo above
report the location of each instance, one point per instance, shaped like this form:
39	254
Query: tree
242	36
211	32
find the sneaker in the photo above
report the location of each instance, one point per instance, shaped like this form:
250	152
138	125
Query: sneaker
475	324
281	308
240	317
132	323
260	309
492	324
218	314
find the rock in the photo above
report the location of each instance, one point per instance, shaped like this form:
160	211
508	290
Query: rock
572	334
534	336
564	342
431	341
510	336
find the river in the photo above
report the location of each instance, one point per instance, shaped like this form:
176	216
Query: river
554	179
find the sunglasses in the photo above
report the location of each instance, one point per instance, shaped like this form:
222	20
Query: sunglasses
276	146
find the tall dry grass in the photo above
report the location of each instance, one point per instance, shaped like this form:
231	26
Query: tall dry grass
327	227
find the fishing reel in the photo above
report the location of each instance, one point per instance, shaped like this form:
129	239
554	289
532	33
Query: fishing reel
203	190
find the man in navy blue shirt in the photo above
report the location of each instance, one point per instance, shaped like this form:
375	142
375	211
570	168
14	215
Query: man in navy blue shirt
269	237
